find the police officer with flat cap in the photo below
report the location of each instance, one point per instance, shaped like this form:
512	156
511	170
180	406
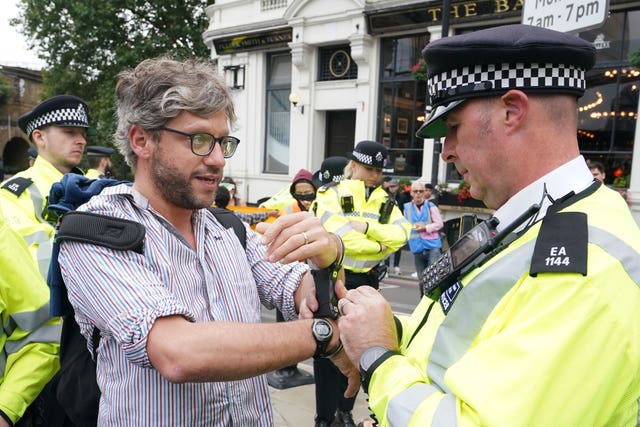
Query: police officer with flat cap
532	318
100	163
57	127
371	226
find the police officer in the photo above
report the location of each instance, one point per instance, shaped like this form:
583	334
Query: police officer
100	163
331	170
58	128
541	329
371	226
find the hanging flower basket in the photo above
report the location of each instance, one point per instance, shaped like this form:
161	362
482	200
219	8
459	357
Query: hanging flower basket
419	71
460	196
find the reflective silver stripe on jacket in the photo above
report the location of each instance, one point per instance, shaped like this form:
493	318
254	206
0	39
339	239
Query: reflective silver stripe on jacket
470	312
27	320
43	251
359	263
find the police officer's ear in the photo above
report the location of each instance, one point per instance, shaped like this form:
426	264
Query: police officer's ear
515	108
37	136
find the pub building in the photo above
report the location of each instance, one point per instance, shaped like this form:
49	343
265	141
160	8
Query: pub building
311	78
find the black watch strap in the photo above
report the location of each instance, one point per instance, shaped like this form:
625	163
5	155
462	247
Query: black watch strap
365	375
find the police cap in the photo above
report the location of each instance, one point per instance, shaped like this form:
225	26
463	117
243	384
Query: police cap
331	170
62	110
370	153
490	62
99	151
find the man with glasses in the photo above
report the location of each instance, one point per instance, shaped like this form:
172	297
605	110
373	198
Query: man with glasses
181	340
424	216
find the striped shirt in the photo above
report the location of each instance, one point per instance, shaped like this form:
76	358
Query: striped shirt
123	292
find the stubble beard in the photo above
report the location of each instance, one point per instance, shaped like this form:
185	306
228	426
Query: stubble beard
174	186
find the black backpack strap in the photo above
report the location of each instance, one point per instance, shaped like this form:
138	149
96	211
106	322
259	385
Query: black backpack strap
229	220
113	233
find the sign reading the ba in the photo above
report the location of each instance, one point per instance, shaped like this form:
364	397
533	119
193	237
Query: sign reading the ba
565	15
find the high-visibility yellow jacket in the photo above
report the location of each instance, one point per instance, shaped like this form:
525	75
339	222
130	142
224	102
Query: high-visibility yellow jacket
30	337
558	349
94	174
362	251
22	200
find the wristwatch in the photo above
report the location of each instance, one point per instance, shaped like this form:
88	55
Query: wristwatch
322	332
370	360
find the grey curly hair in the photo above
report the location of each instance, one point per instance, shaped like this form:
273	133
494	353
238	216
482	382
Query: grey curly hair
159	89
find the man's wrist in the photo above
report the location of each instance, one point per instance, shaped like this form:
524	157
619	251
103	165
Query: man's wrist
337	263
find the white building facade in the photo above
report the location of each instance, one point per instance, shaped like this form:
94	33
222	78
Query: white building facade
313	77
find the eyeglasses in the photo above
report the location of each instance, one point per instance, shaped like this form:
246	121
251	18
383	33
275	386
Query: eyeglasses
417	191
202	143
305	197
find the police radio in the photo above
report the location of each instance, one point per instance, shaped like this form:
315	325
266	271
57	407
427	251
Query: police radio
468	252
385	211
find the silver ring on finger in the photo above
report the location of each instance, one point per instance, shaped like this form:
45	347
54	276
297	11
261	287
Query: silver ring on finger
305	237
341	304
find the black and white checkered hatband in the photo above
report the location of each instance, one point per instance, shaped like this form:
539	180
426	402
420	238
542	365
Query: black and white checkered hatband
76	116
484	79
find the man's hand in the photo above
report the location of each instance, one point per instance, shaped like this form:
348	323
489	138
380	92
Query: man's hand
349	370
366	320
300	236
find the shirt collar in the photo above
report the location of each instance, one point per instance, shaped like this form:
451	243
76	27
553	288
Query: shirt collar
572	176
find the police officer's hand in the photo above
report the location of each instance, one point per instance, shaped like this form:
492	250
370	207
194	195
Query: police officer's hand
359	226
300	236
366	320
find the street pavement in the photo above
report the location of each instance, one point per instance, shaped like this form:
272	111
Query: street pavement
295	406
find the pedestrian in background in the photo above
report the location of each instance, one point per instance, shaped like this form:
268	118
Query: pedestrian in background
181	343
424	241
513	338
597	170
303	191
371	226
230	184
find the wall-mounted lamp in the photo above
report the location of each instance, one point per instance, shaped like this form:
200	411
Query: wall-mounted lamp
294	99
234	76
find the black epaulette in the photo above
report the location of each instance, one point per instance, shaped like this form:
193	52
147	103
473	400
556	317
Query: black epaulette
327	186
561	245
17	185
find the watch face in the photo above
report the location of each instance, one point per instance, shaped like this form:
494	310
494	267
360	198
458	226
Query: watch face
322	330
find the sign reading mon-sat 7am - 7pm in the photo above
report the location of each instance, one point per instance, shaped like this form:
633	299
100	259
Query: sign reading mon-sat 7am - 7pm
565	15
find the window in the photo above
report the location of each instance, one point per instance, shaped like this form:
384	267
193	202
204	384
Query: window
607	113
336	64
278	111
402	104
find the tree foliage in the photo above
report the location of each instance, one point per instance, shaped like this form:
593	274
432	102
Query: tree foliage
6	90
86	43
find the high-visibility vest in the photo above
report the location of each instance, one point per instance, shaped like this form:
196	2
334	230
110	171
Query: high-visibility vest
30	336
23	198
337	204
554	349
